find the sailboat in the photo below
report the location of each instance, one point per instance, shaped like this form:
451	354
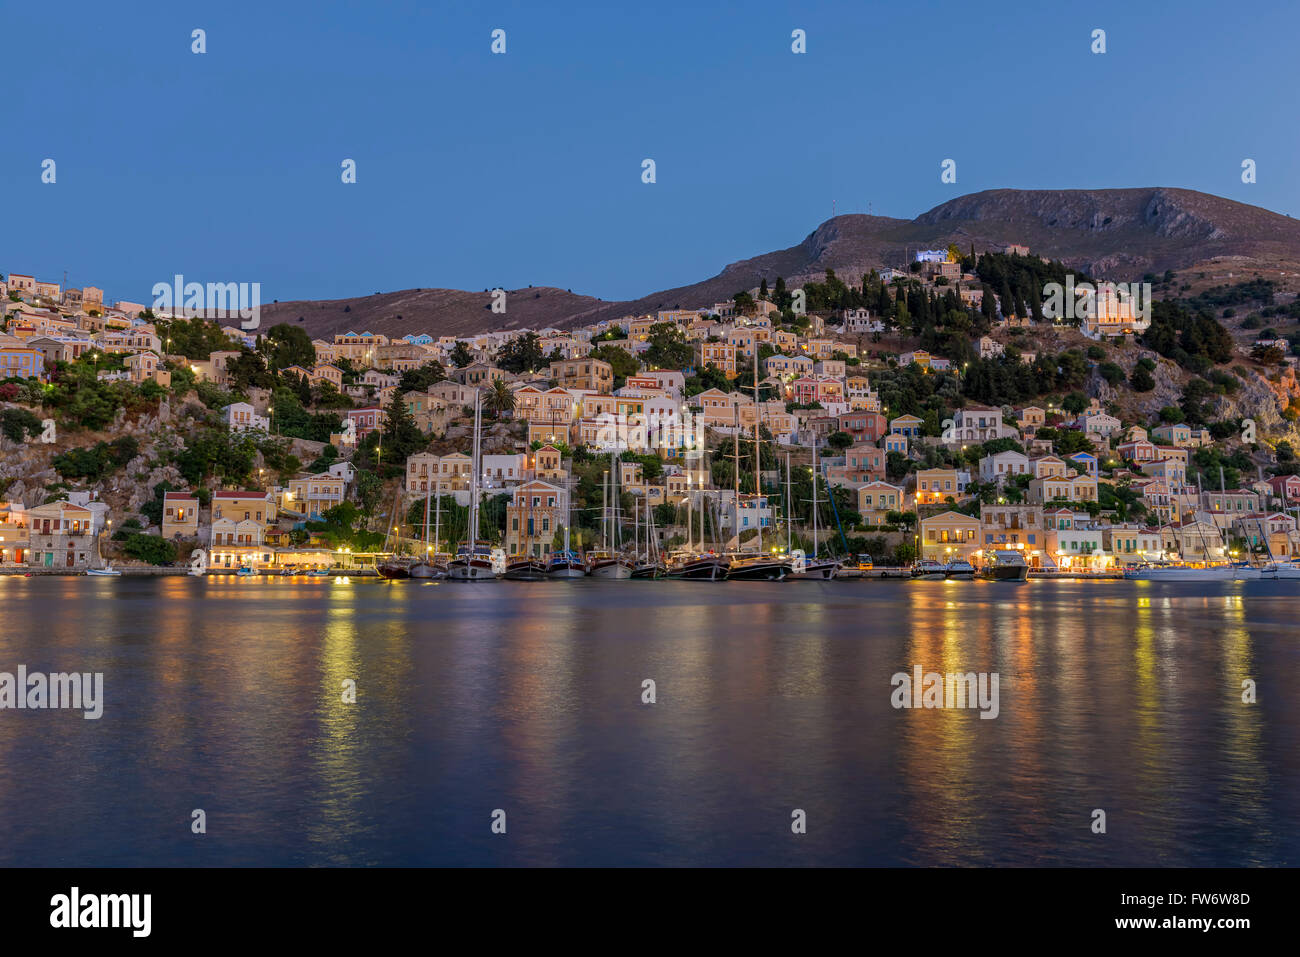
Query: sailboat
106	570
650	565
1200	572
689	564
609	563
814	568
429	567
395	567
1281	571
473	561
566	563
526	567
755	567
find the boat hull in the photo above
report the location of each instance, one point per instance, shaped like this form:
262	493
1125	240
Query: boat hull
564	571
525	571
1281	571
818	571
706	570
650	571
1184	574
393	572
1006	573
476	570
757	572
611	570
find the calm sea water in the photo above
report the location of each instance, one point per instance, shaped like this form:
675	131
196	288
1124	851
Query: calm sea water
225	694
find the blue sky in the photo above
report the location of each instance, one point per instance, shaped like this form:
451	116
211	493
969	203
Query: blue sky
477	170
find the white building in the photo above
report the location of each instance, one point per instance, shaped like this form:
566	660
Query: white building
241	417
1002	465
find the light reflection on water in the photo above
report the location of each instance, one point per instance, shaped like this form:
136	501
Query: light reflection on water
226	694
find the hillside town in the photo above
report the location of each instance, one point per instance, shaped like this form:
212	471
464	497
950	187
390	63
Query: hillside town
929	413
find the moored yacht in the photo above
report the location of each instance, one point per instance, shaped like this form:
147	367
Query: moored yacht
432	567
394	568
1281	570
818	569
754	568
928	568
706	568
526	569
1005	565
473	563
566	564
609	566
959	569
653	568
1176	572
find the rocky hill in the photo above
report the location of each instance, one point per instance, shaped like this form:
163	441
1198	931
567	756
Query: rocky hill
1118	234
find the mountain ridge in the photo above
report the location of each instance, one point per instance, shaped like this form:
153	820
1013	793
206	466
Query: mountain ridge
1119	234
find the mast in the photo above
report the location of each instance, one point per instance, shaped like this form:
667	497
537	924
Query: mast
735	459
615	533
789	527
758	489
426	523
569	520
473	479
690	519
814	498
437	514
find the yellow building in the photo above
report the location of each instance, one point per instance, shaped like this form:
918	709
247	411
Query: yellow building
180	515
949	536
586	373
720	355
936	486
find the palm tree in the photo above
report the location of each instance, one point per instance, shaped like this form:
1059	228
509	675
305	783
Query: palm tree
499	398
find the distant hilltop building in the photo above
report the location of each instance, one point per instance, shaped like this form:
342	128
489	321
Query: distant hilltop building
932	255
1014	250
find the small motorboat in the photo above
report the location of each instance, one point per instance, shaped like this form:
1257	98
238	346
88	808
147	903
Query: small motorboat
928	568
108	571
959	569
245	571
319	573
